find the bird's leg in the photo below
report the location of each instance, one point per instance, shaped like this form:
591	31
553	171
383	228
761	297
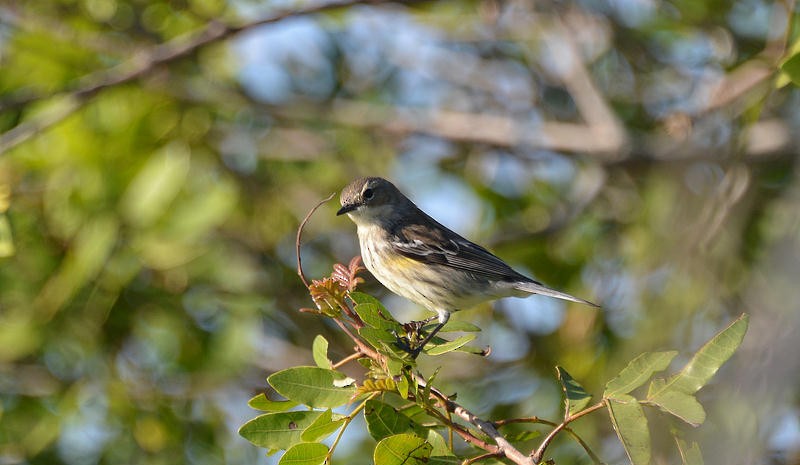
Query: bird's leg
415	328
444	315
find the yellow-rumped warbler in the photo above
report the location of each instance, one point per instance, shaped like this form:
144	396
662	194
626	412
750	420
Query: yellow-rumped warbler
416	257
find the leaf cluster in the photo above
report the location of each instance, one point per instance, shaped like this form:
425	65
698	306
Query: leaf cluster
409	417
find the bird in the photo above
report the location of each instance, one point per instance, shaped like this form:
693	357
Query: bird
418	258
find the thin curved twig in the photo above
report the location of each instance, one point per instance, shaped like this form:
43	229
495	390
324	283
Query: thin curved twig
478	458
539	452
502	447
542	421
348	359
300	235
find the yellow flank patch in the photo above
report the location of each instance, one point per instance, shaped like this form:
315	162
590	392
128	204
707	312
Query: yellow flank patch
400	261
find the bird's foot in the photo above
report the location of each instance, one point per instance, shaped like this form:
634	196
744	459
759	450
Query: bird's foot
415	338
406	346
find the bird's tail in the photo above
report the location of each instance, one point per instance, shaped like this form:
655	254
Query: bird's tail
536	288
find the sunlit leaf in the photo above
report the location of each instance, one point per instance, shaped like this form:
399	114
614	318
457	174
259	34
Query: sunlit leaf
482	351
523	436
638	371
575	396
19	336
322	427
265	404
319	350
312	386
377	336
402	386
90	251
402	449
156	184
278	430
383	420
453	460
306	453
438	444
709	358
676	395
6	241
630	424
450	345
454	326
791	66
193	217
682	405
373	312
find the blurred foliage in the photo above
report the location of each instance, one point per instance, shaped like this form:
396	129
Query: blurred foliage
637	153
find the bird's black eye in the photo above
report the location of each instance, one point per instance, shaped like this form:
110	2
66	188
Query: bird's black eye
367	194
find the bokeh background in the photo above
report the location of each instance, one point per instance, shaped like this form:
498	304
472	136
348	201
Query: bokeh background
156	158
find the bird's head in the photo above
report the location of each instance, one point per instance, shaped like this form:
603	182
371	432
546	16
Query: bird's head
367	200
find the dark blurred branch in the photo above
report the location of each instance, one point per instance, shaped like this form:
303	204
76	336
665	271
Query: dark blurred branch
497	130
606	132
755	74
763	137
142	64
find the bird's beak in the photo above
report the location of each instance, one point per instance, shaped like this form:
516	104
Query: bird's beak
347	208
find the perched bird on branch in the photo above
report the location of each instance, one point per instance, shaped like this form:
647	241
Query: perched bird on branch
416	257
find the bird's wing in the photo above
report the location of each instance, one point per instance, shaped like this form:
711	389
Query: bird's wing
435	244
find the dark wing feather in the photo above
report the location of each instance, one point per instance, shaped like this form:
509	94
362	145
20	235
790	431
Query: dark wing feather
435	244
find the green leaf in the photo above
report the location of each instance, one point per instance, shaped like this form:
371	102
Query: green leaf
638	371
523	436
450	345
319	350
156	184
791	68
706	361
453	326
277	430
453	460
383	421
575	397
6	241
402	386
377	336
676	395
438	444
402	449
322	427
306	453
89	254
690	452
682	405
312	386
630	424
265	404
482	351
394	365
372	311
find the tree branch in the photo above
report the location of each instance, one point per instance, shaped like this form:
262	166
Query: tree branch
538	454
504	447
144	63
